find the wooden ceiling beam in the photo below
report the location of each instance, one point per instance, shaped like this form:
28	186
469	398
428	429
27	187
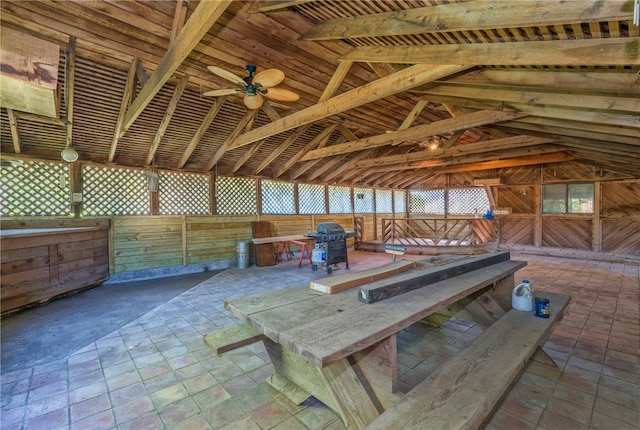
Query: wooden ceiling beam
376	90
202	129
619	103
162	128
471	16
589	81
281	148
457	151
622	51
15	134
473	158
416	133
273	116
569	114
497	164
127	98
320	140
240	127
336	80
275	5
70	86
205	15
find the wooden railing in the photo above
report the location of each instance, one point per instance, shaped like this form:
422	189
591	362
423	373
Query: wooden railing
438	231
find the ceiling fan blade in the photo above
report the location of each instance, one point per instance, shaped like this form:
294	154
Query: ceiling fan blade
223	92
269	78
231	77
282	95
253	102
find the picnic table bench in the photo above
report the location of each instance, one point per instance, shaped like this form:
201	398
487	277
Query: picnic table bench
344	351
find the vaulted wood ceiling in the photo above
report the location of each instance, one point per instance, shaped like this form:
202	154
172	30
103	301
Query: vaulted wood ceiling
501	83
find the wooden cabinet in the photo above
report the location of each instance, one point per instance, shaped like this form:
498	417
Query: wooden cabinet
42	263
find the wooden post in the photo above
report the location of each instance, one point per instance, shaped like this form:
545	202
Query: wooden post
597	222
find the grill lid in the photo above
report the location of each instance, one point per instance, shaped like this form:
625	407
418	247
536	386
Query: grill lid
329	228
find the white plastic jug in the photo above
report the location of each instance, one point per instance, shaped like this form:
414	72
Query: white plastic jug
521	298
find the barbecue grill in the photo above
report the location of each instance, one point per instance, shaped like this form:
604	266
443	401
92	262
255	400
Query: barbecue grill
333	239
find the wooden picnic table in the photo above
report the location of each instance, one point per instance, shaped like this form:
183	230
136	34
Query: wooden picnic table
343	351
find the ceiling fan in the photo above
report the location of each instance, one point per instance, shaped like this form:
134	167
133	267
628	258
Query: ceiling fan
255	87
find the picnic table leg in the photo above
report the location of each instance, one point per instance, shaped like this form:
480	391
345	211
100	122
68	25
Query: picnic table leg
339	386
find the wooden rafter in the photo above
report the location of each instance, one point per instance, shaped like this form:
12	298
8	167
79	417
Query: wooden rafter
273	116
336	80
320	140
281	148
472	16
173	104
460	151
416	133
620	51
205	15
15	135
70	88
240	127
596	102
179	18
127	97
383	87
206	122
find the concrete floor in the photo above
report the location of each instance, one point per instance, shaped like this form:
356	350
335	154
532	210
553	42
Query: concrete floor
154	372
54	331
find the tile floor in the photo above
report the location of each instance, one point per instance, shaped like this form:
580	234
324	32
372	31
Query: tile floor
156	373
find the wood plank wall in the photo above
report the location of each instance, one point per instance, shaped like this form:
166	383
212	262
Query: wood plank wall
613	228
148	242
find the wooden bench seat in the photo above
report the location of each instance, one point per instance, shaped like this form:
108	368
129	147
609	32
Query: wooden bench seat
463	392
232	337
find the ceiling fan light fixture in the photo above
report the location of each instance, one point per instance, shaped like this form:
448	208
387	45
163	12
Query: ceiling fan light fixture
69	154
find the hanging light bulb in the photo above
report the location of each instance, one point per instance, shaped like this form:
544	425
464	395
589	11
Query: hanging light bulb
69	154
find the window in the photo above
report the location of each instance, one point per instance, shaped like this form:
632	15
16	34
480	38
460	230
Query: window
567	198
468	201
184	193
114	191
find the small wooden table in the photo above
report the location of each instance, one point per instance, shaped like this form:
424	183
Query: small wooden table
343	351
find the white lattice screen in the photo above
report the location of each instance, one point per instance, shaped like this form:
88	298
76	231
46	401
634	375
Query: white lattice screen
468	201
363	200
384	201
32	188
399	201
278	197
114	191
236	196
340	200
183	193
311	199
427	202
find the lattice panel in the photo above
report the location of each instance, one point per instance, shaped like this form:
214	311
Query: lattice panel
363	201
400	201
384	201
114	191
427	202
468	201
340	200
35	189
278	197
236	196
181	193
311	199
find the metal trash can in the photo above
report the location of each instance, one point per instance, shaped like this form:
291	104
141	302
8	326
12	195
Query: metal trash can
242	254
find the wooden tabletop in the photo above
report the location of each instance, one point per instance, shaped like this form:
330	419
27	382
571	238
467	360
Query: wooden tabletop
326	328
